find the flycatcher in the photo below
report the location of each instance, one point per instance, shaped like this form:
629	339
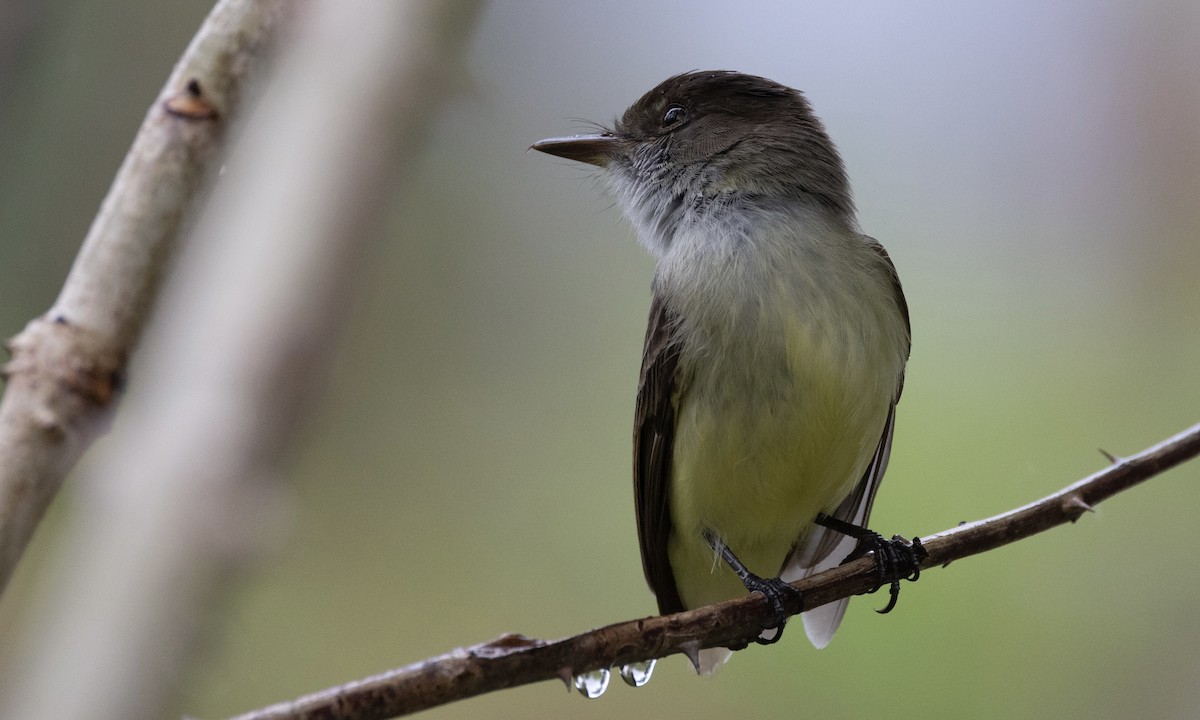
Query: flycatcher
776	346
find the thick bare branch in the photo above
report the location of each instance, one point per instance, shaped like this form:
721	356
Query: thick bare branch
514	660
187	490
67	366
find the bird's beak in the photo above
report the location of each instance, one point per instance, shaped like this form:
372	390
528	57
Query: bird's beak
592	149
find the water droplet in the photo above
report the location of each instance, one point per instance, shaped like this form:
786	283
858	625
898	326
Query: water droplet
592	684
637	674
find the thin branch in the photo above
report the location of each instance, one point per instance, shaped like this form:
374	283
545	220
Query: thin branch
67	366
513	660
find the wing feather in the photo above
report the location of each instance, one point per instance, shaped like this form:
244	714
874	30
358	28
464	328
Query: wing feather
653	440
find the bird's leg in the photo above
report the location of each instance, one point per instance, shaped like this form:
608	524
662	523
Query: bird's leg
777	592
896	559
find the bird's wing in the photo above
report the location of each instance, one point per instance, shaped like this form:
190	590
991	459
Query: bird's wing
653	438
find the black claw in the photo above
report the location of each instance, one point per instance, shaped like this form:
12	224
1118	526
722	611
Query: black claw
777	593
894	595
896	559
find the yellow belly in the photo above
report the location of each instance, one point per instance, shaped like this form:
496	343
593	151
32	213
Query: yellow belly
764	441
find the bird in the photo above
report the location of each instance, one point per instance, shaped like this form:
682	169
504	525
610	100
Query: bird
776	346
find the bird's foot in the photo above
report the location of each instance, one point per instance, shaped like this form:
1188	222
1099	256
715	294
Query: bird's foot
896	559
778	593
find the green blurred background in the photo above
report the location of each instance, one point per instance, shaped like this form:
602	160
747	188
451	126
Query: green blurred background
1034	170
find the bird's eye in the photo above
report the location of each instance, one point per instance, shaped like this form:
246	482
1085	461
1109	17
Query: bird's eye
673	116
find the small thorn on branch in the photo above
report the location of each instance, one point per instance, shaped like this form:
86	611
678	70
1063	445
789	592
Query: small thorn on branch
691	649
1114	459
567	675
1075	506
506	644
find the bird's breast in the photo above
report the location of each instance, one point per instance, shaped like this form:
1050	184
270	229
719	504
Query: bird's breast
790	358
